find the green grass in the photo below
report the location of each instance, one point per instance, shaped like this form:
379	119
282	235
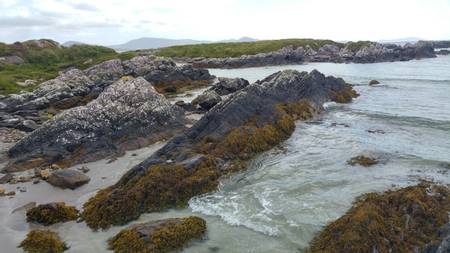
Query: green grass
222	50
44	63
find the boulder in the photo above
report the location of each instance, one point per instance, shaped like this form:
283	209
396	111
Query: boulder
225	86
249	121
207	99
6	178
158	236
52	213
68	178
373	82
43	241
129	114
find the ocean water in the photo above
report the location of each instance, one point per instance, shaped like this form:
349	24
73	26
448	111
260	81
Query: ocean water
292	191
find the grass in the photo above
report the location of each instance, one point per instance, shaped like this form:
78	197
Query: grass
222	50
42	64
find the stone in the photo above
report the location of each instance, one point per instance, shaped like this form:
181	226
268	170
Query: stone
6	178
84	169
2	191
68	178
30	125
44	174
363	161
207	99
373	82
225	86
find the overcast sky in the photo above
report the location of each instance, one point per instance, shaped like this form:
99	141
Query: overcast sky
110	22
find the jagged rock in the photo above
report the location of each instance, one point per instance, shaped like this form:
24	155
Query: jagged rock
6	178
127	115
158	236
71	179
76	87
207	99
250	121
225	86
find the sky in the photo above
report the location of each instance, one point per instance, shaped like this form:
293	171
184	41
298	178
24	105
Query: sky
110	22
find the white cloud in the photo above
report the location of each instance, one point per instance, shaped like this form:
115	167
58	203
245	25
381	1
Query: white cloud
114	21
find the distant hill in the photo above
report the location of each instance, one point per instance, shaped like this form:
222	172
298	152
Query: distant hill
71	43
152	43
148	43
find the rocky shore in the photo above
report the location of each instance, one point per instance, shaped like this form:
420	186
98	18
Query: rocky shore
27	111
367	52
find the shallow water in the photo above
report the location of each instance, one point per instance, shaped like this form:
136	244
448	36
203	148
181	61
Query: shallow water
292	191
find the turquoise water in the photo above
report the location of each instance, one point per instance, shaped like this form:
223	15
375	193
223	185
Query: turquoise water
292	191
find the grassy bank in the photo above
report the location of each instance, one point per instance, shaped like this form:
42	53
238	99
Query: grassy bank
221	50
43	62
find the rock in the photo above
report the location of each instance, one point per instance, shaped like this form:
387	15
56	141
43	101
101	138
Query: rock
43	241
84	169
52	213
443	52
71	179
6	178
159	236
207	99
2	191
25	207
15	60
249	121
30	125
24	179
373	82
225	86
22	189
44	174
76	88
376	131
363	161
27	83
129	114
400	220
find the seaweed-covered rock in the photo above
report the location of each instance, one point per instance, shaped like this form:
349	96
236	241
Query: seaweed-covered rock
43	241
68	178
49	214
207	99
250	121
127	115
158	236
225	86
76	88
363	161
402	221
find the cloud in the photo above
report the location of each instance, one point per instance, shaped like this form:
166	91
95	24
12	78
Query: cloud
12	22
84	7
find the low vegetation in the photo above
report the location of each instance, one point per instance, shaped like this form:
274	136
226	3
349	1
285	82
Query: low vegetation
43	59
222	50
43	241
401	221
52	213
167	236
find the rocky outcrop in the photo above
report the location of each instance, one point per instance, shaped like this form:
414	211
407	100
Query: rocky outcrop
359	52
158	236
443	52
75	87
404	220
127	115
68	178
250	121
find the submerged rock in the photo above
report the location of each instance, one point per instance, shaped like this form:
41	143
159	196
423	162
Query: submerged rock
49	214
250	121
373	82
68	178
403	221
363	161
43	241
129	114
158	236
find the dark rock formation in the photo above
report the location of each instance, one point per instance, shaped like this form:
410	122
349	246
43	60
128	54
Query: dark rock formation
443	52
75	87
71	179
403	221
40	241
52	213
127	115
225	86
374	82
365	53
158	236
250	121
207	100
363	161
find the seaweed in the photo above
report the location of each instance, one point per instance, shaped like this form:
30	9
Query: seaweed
52	213
43	241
